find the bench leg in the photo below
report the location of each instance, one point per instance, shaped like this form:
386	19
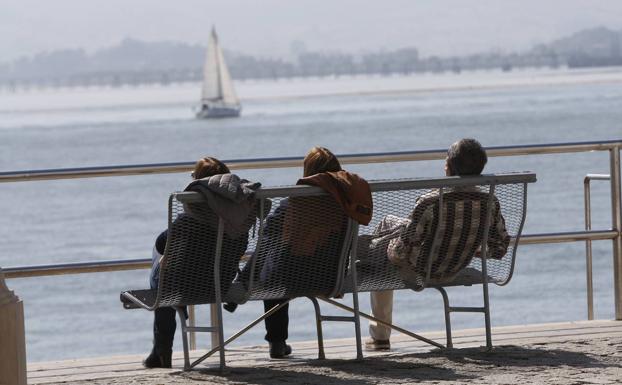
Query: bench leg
447	316
184	337
487	317
485	309
355	295
372	318
357	325
319	318
318	323
221	347
221	337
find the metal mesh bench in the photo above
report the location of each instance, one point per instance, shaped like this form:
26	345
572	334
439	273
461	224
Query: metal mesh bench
450	205
302	249
307	247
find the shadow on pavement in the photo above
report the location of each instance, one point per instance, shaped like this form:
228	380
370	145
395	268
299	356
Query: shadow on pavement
521	356
454	366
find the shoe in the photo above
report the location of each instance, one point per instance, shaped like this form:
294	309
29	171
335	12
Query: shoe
374	344
156	360
279	349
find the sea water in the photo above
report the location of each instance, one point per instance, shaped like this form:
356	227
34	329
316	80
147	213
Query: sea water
118	218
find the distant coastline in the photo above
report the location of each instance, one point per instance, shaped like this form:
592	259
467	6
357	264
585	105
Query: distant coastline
186	93
136	63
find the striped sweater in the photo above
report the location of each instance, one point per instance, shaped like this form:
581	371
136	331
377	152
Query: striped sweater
460	232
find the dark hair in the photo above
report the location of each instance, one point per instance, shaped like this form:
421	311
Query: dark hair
320	159
466	157
209	166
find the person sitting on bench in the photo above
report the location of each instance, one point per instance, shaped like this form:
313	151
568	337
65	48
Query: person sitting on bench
305	235
229	198
409	242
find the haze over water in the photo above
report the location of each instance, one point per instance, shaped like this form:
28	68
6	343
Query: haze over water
118	218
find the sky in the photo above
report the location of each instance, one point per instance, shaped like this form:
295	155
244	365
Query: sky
267	27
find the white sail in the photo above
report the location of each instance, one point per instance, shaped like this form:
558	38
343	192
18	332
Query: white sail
226	85
211	75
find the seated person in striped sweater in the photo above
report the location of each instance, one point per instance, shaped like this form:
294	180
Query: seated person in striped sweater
410	243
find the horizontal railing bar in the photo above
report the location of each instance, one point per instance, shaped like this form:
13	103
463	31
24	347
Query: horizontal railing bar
201	329
76	268
336	318
282	162
136	264
462	309
589	177
572	236
553	148
93	172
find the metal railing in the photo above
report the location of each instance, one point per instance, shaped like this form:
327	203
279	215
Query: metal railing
145	263
611	146
264	163
588	243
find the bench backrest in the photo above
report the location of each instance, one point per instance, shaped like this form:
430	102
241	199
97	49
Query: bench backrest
300	248
195	238
303	245
449	223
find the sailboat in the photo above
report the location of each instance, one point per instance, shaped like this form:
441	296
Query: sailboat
218	98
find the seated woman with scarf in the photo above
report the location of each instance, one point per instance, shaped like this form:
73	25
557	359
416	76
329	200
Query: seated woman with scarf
305	235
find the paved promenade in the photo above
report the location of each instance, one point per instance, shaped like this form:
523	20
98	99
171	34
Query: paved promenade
588	352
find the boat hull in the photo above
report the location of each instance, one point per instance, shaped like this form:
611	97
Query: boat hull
217	112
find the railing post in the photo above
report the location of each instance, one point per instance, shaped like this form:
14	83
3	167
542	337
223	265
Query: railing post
588	248
13	346
616	224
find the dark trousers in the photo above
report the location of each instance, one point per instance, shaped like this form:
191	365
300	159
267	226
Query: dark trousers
277	323
164	326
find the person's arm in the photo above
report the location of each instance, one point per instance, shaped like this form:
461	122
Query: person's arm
498	237
156	258
160	243
404	250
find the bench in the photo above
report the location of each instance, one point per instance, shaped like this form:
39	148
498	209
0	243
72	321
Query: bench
313	223
505	191
325	242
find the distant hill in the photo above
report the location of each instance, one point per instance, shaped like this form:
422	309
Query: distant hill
130	55
136	55
595	47
133	59
596	42
136	62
